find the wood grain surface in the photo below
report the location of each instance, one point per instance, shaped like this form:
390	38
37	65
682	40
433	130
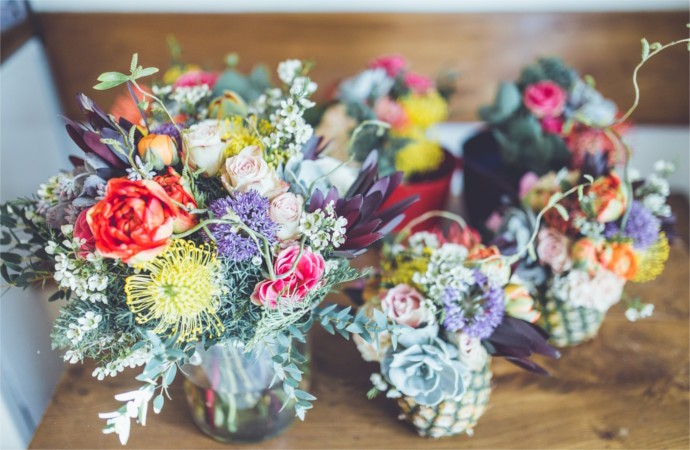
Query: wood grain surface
484	48
629	388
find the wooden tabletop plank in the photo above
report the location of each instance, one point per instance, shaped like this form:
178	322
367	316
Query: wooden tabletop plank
626	389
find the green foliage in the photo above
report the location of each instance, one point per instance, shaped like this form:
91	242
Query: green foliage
249	87
551	68
508	100
109	80
23	259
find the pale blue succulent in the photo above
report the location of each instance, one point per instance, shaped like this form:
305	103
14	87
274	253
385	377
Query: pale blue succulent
424	367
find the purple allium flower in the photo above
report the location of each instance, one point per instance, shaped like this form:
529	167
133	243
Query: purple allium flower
169	129
251	208
477	312
642	227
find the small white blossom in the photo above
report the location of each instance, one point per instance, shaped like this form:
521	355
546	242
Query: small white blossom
75	333
90	321
288	70
378	382
641	311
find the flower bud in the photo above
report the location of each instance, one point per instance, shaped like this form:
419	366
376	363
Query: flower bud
159	150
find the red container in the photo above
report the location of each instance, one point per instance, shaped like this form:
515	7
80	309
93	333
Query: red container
433	194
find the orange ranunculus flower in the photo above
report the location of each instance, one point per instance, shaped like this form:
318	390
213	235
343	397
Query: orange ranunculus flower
133	222
483	252
159	149
620	258
608	197
178	191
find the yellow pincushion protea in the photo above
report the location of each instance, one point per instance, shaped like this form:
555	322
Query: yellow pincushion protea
651	261
424	110
180	289
419	156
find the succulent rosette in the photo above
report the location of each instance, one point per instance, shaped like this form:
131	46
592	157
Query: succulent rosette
589	245
202	218
459	305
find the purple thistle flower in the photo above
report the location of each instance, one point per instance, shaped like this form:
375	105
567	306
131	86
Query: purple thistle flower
169	129
477	312
251	208
642	227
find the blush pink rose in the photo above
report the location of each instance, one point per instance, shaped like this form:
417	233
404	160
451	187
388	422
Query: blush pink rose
295	284
419	84
390	111
403	304
286	211
392	64
248	170
196	78
527	182
553	249
545	99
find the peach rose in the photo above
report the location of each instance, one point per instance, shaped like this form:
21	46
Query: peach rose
552	249
390	111
295	284
286	211
248	170
403	304
133	222
545	99
585	255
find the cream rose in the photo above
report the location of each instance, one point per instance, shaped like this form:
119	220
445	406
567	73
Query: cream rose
205	147
286	211
403	304
553	250
248	170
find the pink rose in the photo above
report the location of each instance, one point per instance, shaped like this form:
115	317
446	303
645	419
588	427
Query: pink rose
553	125
553	250
196	78
82	231
419	84
392	64
390	111
248	170
545	99
286	211
403	304
295	284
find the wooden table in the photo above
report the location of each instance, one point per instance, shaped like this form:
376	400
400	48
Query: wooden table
626	389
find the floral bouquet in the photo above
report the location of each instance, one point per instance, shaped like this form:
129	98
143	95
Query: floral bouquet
407	104
549	119
461	306
588	247
201	224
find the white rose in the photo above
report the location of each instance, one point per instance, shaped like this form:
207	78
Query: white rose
205	147
329	172
248	170
286	211
471	352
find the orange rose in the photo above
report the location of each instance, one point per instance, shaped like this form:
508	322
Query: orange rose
158	149
133	222
620	258
174	186
607	198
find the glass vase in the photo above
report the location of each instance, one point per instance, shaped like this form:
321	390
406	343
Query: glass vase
230	395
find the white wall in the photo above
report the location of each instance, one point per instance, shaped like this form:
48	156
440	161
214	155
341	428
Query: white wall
355	5
33	146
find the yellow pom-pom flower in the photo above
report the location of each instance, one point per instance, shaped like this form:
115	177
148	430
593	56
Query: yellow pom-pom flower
651	261
239	136
421	156
180	290
402	268
424	110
